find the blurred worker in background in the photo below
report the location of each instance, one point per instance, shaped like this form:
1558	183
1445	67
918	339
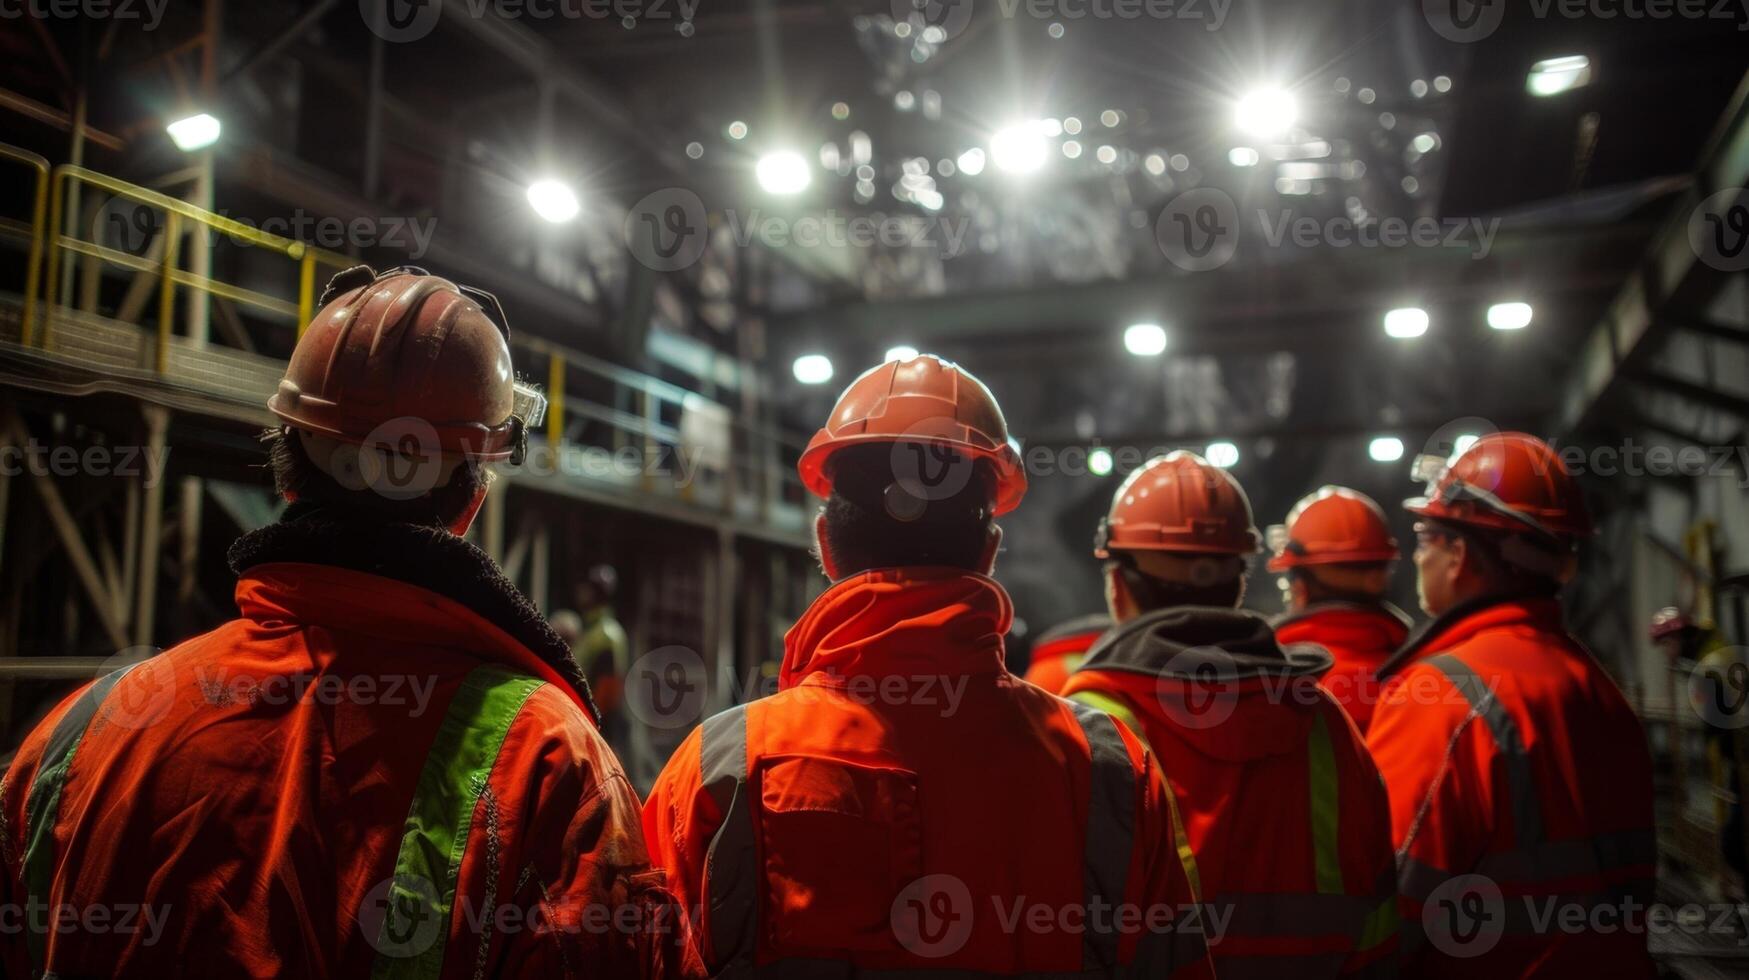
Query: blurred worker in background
1061	649
1336	554
1282	807
903	802
1520	781
601	649
389	746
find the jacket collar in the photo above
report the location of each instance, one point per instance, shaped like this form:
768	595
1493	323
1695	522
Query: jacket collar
317	566
917	621
1466	619
1075	636
1203	643
1346	608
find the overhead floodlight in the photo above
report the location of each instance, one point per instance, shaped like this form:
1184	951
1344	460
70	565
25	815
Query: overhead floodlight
812	369
1222	454
1461	445
1385	449
1509	316
1099	461
196	132
1266	112
1553	76
971	162
1410	321
903	352
554	200
1020	148
1144	339
783	172
1243	156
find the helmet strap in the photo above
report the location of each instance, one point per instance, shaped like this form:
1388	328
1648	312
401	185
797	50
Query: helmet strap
465	519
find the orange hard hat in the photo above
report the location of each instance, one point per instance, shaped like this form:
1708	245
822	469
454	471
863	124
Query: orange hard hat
924	401
1179	502
409	348
1333	526
1505	481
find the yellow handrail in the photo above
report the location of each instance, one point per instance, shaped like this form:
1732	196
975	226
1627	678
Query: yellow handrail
170	277
39	202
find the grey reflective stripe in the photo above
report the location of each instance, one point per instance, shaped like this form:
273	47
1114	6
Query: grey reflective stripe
1549	863
42	805
731	866
1111	827
1527	820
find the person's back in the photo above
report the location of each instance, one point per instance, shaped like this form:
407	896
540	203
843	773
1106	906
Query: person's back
1520	780
387	765
885	809
1360	636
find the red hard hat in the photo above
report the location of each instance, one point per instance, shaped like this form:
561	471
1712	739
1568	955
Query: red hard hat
1334	526
1506	481
1179	502
924	400
407	345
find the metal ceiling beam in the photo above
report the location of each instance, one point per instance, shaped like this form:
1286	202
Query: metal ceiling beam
1706	328
1670	277
1698	393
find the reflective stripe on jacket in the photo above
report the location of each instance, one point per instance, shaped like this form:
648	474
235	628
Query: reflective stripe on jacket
1283	810
1521	796
358	777
885	809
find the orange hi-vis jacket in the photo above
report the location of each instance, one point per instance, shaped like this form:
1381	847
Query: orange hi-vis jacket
1360	636
1521	796
884	810
358	777
1282	807
1062	648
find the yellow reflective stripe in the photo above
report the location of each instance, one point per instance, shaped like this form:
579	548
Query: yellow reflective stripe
1326	807
1072	661
1121	711
1380	926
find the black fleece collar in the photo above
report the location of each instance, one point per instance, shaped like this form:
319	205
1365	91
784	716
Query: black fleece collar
427	557
1436	627
1205	643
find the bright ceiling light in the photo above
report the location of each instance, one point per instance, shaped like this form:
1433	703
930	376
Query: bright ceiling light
1222	454
196	132
553	200
971	162
1556	75
903	352
1385	449
1019	149
1509	316
1099	461
1144	339
1410	321
812	369
1266	112
1461	445
783	172
1242	156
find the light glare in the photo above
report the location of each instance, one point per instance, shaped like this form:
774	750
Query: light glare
783	172
553	200
1553	76
1019	149
1509	316
1385	449
1099	462
1222	454
812	369
1144	339
1410	321
903	352
1266	112
195	132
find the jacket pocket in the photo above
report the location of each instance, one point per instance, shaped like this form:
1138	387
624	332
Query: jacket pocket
839	842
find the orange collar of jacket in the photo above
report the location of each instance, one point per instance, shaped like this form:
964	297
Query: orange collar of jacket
900	621
1465	620
1378	625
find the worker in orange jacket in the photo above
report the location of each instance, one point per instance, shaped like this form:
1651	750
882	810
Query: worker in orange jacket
1061	649
903	802
1283	810
1520	781
1336	553
388	765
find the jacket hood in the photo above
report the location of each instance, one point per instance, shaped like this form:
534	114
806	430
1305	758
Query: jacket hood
426	558
1466	619
923	621
1074	636
1217	677
1348	624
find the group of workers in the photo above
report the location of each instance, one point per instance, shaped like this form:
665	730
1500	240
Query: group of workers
391	765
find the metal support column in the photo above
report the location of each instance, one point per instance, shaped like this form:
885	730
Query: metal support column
151	528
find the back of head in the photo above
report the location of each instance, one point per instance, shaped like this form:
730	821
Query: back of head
872	520
1180	532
